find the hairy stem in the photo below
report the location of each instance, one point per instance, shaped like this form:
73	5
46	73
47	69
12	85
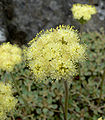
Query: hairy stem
66	100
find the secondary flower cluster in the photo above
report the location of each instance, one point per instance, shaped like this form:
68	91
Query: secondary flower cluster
55	53
9	56
7	101
101	118
83	11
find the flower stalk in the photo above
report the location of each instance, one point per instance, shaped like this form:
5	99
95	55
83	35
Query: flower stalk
66	99
54	53
81	29
91	2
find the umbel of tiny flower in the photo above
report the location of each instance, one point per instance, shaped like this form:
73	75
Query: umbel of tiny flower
7	101
101	118
83	12
10	55
54	53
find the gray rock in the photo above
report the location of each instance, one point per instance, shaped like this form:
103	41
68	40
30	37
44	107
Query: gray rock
24	18
3	27
2	35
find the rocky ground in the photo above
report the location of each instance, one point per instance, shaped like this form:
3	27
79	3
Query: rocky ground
20	20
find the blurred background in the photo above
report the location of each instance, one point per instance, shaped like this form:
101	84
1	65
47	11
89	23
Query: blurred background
20	20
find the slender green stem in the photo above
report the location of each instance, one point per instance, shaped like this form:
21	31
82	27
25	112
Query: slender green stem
81	29
20	94
13	118
66	100
5	78
80	77
60	101
91	2
101	89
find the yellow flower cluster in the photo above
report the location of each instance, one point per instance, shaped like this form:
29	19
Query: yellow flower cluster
55	53
101	118
83	11
10	55
7	101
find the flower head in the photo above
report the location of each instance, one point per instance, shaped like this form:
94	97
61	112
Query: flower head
10	55
7	101
55	53
100	118
83	12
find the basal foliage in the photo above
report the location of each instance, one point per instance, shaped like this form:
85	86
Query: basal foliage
45	99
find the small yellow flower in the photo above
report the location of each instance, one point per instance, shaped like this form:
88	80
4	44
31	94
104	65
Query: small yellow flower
10	55
7	101
100	118
55	53
83	12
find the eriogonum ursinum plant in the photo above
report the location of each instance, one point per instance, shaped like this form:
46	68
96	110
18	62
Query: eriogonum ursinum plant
7	101
10	55
83	12
55	53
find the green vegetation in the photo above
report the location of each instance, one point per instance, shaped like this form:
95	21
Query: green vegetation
45	99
